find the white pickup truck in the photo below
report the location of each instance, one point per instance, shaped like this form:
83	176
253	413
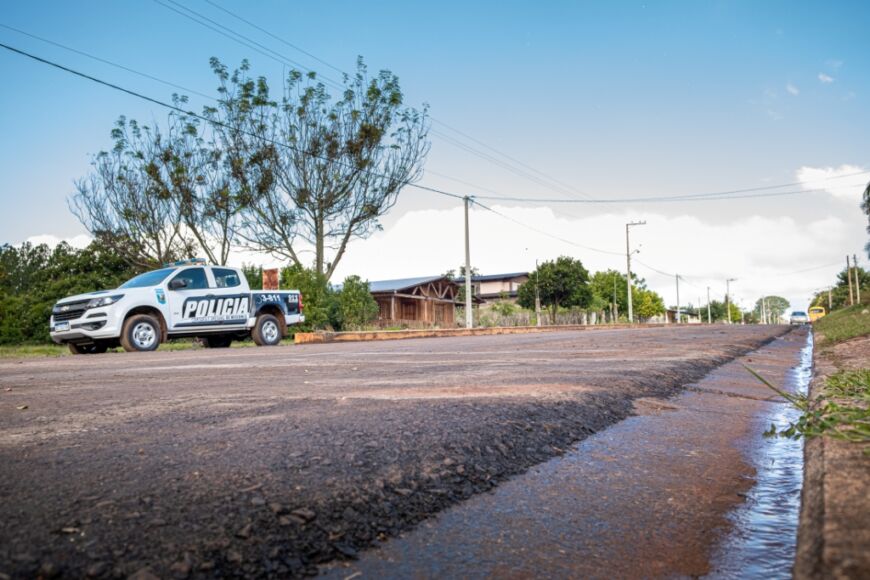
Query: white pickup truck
184	299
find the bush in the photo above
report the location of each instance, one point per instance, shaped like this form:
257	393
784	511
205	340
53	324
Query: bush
317	298
355	305
34	278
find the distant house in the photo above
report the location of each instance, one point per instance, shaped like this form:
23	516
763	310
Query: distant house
685	317
425	301
495	287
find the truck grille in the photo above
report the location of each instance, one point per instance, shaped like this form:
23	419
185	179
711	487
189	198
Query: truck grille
69	310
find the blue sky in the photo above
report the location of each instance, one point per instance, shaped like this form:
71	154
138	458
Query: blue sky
614	98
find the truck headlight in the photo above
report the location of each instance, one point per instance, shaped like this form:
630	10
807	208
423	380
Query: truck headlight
104	301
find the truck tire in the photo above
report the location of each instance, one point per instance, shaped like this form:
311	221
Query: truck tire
90	348
220	341
267	331
141	333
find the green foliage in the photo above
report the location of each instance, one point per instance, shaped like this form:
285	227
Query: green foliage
775	307
865	206
842	411
317	298
34	278
647	303
609	283
356	306
843	324
717	312
504	308
840	291
254	276
561	283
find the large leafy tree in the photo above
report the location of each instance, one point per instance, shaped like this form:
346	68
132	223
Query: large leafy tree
562	283
119	205
163	193
610	284
328	169
775	307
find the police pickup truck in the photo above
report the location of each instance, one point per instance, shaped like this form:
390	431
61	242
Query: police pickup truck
182	299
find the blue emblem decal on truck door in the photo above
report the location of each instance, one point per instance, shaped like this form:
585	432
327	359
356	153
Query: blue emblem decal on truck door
161	295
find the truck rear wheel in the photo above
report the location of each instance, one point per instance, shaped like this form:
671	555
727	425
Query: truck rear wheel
141	333
89	348
267	331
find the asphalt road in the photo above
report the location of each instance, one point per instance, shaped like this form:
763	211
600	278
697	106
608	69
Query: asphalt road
267	462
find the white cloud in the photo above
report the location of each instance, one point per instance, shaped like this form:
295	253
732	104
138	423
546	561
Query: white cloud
846	182
834	63
826	78
760	251
793	90
79	241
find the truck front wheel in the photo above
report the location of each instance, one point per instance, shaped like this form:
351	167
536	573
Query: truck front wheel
267	331
141	333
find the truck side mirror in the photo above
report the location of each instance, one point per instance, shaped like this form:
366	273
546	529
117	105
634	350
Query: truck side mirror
177	284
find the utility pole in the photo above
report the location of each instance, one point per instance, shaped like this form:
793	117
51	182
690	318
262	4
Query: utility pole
830	300
469	318
849	276
678	298
762	312
857	280
728	298
709	316
628	254
537	296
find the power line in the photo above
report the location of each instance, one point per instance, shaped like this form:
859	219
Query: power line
544	233
337	69
202	118
285	145
278	38
654	199
203	20
108	62
215	26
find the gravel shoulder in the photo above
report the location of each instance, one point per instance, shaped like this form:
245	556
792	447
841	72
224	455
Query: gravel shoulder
268	462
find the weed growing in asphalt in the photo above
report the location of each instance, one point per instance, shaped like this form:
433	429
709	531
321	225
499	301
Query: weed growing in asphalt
841	412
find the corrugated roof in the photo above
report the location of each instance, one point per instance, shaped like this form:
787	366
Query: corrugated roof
400	284
490	277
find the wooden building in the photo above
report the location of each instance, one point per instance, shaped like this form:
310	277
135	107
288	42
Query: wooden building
496	287
427	301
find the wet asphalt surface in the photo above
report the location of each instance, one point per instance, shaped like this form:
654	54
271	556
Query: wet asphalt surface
678	490
268	462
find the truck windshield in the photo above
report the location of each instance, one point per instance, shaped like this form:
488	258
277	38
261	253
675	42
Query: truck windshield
148	279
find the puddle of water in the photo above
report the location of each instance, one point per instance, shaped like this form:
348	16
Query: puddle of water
763	541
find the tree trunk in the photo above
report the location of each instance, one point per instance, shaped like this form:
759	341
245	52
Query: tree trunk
319	243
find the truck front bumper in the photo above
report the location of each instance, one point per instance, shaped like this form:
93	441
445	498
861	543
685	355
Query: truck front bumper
95	324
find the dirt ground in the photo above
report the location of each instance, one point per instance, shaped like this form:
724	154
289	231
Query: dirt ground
267	462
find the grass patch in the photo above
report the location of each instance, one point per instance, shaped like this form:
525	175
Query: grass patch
31	350
841	411
843	324
53	350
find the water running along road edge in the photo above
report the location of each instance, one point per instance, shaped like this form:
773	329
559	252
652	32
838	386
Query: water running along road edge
672	491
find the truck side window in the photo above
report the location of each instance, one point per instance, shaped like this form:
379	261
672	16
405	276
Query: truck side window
225	278
195	278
